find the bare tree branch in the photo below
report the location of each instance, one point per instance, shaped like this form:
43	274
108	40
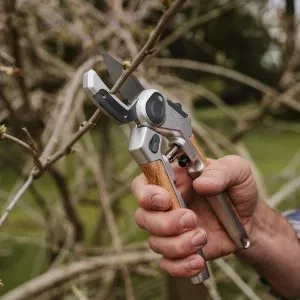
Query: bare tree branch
28	148
57	277
240	283
147	48
15	199
285	191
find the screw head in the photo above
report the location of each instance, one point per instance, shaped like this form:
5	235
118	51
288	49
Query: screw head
183	161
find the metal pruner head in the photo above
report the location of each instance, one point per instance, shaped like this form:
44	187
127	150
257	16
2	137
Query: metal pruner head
100	94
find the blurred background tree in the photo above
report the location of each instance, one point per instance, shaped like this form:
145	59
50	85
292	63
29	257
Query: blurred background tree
233	64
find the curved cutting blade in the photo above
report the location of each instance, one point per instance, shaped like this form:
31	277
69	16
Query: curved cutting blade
131	87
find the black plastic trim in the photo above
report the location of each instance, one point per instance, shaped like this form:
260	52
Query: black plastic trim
178	108
122	115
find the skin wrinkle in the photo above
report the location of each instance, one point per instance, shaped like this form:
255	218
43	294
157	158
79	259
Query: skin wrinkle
153	245
245	206
178	249
210	180
223	175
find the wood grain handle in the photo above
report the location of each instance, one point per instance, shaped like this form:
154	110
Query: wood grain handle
156	174
200	152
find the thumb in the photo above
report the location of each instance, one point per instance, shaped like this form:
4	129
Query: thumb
223	174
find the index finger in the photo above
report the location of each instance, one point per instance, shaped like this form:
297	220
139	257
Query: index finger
149	196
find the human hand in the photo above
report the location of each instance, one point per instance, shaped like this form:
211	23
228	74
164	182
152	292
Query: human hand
177	234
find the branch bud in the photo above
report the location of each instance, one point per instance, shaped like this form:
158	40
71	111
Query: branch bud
126	64
166	3
2	131
10	71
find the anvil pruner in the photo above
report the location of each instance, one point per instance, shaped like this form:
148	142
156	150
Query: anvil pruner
154	118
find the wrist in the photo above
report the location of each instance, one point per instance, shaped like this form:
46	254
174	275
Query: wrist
256	228
274	250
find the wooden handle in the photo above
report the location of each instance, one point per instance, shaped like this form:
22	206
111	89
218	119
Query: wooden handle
156	174
201	154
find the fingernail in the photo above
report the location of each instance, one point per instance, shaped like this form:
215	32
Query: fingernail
195	263
157	201
199	239
188	221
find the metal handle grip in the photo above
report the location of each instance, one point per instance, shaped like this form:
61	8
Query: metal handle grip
225	212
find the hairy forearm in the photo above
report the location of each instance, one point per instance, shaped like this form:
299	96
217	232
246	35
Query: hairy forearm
275	251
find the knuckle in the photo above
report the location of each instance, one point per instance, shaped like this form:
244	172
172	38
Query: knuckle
166	227
162	265
243	165
170	224
174	268
213	176
246	170
180	247
212	172
152	242
179	270
238	161
143	199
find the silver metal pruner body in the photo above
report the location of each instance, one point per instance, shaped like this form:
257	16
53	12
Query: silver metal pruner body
153	120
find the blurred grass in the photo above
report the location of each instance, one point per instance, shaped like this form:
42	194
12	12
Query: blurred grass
271	149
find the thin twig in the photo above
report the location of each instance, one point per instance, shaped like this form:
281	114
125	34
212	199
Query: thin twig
108	213
14	35
78	293
68	96
212	285
285	191
148	47
291	166
167	16
240	283
262	189
272	95
26	147
199	20
216	70
30	140
140	57
15	199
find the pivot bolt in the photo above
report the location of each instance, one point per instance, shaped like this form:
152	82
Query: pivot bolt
183	161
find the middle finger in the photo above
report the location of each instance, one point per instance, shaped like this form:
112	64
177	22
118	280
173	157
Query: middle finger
166	223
